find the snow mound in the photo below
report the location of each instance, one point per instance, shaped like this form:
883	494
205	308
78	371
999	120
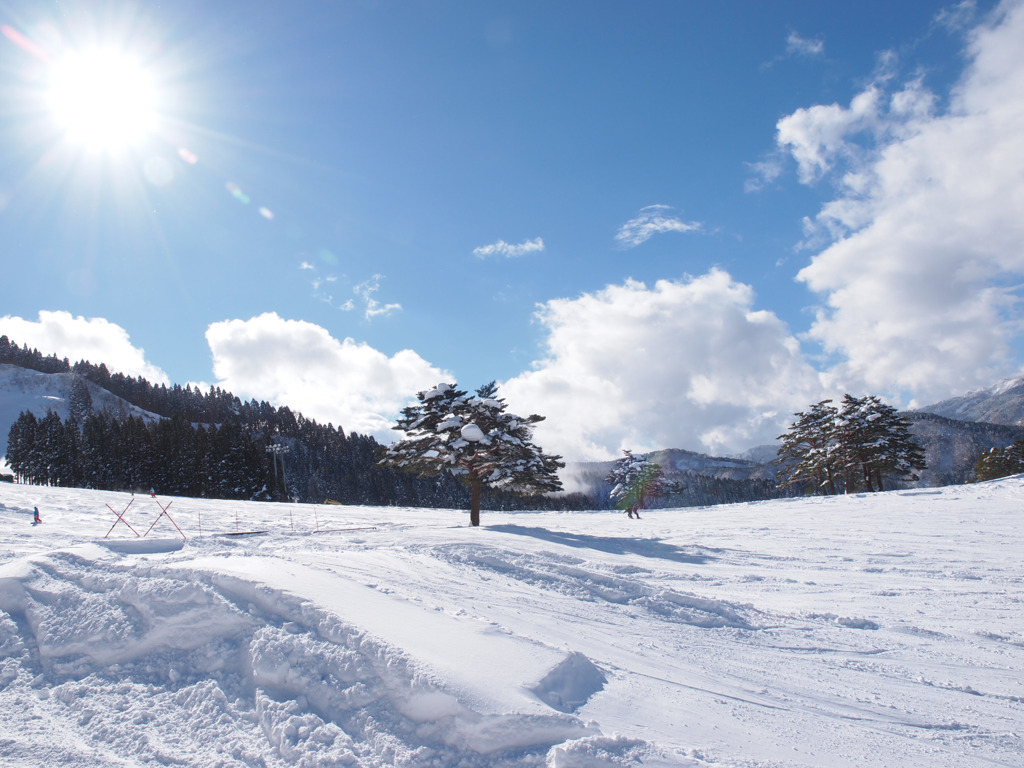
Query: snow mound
614	752
570	685
221	668
143	546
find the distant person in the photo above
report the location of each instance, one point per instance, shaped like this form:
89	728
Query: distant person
37	519
636	511
629	512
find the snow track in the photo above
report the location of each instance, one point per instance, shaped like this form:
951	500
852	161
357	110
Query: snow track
101	637
863	631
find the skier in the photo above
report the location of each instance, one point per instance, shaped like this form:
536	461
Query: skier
636	511
37	519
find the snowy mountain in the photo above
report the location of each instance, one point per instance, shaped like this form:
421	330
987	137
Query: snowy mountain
22	389
1002	403
872	630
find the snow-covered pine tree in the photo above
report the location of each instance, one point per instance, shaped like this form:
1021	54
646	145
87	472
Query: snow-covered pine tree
849	448
1000	462
636	480
474	439
810	449
876	443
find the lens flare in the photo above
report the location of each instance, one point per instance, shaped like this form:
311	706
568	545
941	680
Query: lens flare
23	42
237	193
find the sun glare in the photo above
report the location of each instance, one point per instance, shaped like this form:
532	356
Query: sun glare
102	99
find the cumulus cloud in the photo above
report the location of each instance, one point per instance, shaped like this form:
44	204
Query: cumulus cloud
818	136
920	280
509	251
686	363
299	364
77	338
652	220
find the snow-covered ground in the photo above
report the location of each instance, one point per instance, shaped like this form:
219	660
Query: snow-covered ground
873	630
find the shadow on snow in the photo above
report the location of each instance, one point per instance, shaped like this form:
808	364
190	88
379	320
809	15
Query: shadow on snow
613	545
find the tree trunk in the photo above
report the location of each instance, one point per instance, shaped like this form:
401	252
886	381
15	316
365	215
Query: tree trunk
474	502
867	477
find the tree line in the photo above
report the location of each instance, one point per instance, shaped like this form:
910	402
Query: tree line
213	445
210	407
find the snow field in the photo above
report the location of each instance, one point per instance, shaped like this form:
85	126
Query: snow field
881	630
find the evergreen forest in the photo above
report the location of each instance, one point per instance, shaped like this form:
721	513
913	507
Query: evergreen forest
213	445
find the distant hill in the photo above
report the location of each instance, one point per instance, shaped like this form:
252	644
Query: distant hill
23	389
1002	403
952	447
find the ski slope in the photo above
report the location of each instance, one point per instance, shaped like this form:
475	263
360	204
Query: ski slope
870	630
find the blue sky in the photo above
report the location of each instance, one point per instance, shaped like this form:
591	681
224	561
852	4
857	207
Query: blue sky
656	223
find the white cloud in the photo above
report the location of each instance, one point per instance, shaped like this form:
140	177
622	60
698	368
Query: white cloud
371	307
920	283
958	16
652	220
803	46
683	364
501	248
76	338
817	136
764	173
300	365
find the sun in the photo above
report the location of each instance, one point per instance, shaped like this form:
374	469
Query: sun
102	99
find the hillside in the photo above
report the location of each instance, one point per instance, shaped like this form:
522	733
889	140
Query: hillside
23	389
952	447
857	631
1002	403
209	445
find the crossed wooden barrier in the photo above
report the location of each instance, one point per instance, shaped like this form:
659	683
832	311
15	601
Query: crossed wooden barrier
163	512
